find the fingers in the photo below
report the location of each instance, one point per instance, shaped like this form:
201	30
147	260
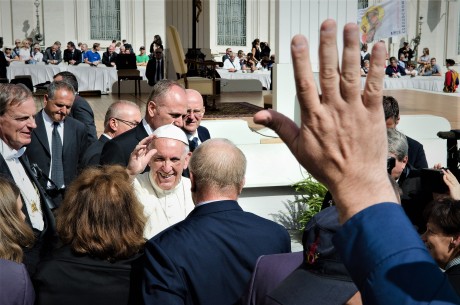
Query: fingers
373	90
282	125
350	83
303	75
437	166
329	77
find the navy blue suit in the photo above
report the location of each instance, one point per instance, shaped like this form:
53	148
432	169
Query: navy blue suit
416	154
15	285
203	135
208	258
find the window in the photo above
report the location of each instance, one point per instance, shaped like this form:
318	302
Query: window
105	19
231	22
363	4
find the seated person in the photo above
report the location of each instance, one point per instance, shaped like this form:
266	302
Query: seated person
401	61
394	70
52	55
92	57
411	69
142	59
227	54
72	55
9	55
102	244
37	55
109	57
252	63
242	58
432	70
232	64
442	238
288	278
365	67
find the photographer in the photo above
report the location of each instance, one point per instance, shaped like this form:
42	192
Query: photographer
413	198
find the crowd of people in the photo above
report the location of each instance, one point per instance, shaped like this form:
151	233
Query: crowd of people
148	213
260	57
404	65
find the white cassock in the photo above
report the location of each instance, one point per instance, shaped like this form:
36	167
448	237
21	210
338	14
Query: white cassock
162	208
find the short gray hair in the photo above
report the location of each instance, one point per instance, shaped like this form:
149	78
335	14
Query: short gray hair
218	164
113	110
397	144
60	85
11	94
162	88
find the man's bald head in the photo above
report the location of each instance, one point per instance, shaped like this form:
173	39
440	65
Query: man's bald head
195	111
120	117
218	166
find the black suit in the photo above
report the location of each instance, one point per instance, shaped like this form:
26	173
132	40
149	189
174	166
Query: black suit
82	112
208	258
108	59
453	274
3	64
119	149
76	55
92	155
416	154
151	69
203	135
73	147
44	239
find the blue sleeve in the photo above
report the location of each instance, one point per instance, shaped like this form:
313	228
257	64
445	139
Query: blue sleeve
388	261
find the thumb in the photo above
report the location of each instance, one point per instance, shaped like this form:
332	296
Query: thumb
279	123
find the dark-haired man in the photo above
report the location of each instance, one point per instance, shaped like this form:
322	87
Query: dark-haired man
72	56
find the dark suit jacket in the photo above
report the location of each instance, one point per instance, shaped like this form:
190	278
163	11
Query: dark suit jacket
71	279
453	274
3	64
119	149
203	135
107	60
151	69
73	147
15	285
44	239
92	155
82	112
389	70
269	272
416	154
208	258
68	56
49	56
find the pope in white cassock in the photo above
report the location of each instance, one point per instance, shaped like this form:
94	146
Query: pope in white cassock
163	192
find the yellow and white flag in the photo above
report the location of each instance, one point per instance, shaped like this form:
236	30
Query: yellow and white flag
383	20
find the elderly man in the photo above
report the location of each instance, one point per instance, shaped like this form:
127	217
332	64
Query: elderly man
109	57
163	191
383	253
52	55
166	104
208	258
17	111
59	142
120	117
232	63
196	134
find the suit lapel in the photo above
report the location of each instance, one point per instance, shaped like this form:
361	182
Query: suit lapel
40	132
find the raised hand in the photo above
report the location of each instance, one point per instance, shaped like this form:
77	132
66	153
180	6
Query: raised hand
141	156
341	140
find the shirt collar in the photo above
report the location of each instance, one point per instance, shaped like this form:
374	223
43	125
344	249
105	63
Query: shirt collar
147	126
454	262
9	153
48	120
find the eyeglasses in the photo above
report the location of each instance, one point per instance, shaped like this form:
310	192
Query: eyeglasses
130	124
196	112
17	42
158	52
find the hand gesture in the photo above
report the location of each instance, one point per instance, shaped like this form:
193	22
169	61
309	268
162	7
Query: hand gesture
342	139
452	183
141	156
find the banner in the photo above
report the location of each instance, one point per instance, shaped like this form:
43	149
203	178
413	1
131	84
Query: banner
384	20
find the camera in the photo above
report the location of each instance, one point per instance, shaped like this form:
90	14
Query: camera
432	181
391	163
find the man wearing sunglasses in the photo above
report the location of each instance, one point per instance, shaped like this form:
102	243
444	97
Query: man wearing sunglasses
155	68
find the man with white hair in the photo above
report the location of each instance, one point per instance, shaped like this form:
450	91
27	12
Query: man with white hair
163	192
